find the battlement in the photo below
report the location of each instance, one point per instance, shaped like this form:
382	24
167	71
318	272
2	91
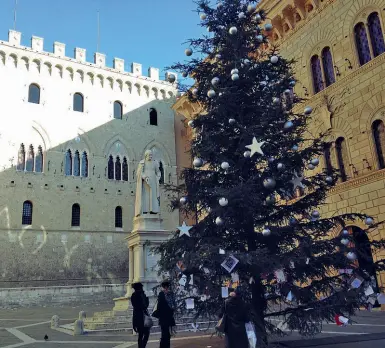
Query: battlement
59	51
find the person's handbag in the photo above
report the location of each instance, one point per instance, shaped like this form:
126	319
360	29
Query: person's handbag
221	326
148	323
155	311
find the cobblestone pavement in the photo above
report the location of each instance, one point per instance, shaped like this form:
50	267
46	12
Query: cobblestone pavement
27	328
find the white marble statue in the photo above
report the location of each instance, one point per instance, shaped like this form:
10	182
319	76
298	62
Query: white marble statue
147	186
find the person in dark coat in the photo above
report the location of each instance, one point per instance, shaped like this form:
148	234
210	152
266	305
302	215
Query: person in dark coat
236	318
165	309
140	303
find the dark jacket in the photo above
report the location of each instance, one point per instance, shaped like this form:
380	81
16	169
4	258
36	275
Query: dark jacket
166	313
140	303
236	318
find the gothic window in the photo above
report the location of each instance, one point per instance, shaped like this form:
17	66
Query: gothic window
378	131
341	151
327	62
317	74
376	34
68	163
84	165
118	169
39	160
34	94
21	158
327	158
30	163
76	163
153	117
362	43
75	219
125	169
27	213
118	110
110	168
161	169
118	217
78	104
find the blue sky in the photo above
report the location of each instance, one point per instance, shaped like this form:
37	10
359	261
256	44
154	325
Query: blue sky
150	32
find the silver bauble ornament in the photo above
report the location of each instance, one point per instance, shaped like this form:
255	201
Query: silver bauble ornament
225	165
258	18
308	110
246	62
211	93
215	81
259	38
276	101
315	214
188	52
280	166
310	166
287	92
234	71
271	159
195	91
223	202
269	183
295	148
251	7
203	16
219	5
268	27
288	125
344	241
171	78
209	29
266	232
292	83
345	232
235	77
232	121
219	221
183	200
198	162
329	179
241	15
315	161
191	123
233	31
369	221
274	59
351	256
218	56
270	200
247	154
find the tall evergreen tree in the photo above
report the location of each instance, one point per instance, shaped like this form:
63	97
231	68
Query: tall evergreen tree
250	150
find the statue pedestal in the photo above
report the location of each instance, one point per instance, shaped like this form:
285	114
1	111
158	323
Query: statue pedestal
146	234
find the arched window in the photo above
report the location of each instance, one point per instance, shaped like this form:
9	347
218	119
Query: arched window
153	117
75	220
118	110
378	131
68	163
316	70
27	213
327	158
84	165
76	163
21	158
341	151
362	43
30	163
118	169
110	168
125	169
376	34
118	217
327	62
161	169
39	160
78	102
34	93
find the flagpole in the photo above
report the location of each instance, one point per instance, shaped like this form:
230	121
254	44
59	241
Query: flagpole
14	16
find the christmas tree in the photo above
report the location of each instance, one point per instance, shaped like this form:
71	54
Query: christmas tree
258	216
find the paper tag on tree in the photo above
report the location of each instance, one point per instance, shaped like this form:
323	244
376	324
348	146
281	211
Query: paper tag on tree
369	291
222	252
230	263
190	303
225	292
356	283
292	265
290	296
307	261
235	277
372	300
280	276
183	280
381	298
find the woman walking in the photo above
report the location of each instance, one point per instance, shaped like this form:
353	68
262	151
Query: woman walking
140	303
236	318
165	313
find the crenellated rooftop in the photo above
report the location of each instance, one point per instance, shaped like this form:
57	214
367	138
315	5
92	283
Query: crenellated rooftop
79	58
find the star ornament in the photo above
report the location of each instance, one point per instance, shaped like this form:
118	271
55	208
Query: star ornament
297	181
256	147
184	229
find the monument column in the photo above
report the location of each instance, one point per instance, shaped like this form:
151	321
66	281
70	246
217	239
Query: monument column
141	261
130	270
